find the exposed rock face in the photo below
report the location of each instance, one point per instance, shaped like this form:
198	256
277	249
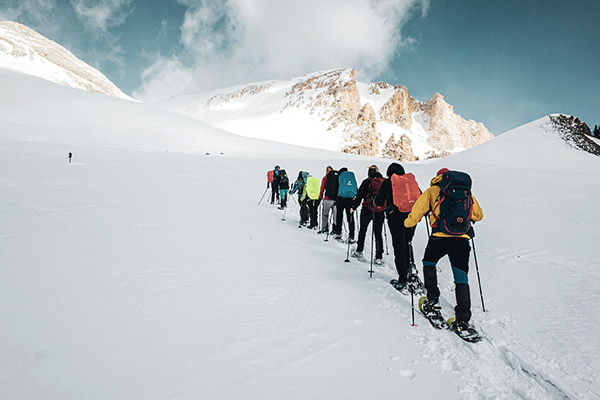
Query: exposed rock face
24	50
332	110
450	132
400	149
399	108
364	139
574	132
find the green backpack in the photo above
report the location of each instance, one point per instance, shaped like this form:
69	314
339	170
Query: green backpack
313	187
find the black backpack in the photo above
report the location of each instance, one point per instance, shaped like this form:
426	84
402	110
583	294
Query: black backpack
455	205
331	185
283	178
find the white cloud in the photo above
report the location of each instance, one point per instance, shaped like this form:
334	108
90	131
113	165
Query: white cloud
235	41
102	15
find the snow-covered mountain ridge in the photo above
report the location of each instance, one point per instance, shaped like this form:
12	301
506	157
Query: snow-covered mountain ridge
332	110
24	50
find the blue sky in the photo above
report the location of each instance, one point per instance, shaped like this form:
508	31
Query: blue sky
503	63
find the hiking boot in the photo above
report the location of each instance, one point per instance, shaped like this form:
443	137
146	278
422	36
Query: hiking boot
358	254
351	240
322	231
312	227
379	261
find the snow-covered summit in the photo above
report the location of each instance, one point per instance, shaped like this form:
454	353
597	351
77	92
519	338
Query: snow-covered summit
332	110
23	49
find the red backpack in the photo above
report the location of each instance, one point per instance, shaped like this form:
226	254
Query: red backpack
374	187
405	191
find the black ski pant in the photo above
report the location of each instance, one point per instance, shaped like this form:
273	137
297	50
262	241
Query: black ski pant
313	206
458	251
303	211
366	216
401	236
343	204
274	193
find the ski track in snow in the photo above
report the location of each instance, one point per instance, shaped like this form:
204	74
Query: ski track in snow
489	369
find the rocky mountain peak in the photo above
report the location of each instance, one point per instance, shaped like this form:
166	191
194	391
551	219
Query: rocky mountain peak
332	110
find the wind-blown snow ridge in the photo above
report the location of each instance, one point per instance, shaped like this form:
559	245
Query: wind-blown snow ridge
24	50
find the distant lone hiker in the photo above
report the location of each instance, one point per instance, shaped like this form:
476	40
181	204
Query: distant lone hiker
70	157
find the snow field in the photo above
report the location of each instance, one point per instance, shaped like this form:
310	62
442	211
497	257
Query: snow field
145	269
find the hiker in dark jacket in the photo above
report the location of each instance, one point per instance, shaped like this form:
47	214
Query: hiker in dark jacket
274	185
298	187
329	188
401	235
366	193
283	182
343	205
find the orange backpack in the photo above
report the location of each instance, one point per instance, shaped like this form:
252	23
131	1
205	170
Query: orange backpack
405	191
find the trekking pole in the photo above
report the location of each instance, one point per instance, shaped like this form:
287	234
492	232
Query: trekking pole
411	280
263	196
284	212
412	306
478	278
386	241
372	240
427	224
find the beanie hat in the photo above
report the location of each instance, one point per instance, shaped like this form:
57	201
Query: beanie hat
395	168
442	171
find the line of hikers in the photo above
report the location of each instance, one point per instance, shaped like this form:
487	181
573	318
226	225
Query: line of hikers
448	202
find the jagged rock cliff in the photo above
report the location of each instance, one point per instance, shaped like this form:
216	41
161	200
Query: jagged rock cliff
574	132
24	50
333	110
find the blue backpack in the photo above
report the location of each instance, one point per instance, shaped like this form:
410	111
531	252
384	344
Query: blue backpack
347	185
455	205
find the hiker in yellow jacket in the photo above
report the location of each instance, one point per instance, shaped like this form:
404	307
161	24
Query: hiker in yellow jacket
450	236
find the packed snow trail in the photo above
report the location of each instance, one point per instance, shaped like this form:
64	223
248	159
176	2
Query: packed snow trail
493	369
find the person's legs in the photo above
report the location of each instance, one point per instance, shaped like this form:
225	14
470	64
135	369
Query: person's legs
365	219
398	232
459	259
378	227
434	251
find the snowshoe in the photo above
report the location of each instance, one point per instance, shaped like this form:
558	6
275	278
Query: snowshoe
415	283
322	231
464	330
358	255
432	311
338	238
402	287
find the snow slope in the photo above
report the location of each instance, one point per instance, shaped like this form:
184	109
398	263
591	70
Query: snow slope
24	50
146	270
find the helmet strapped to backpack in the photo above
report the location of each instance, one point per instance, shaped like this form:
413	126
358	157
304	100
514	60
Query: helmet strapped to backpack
454	208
